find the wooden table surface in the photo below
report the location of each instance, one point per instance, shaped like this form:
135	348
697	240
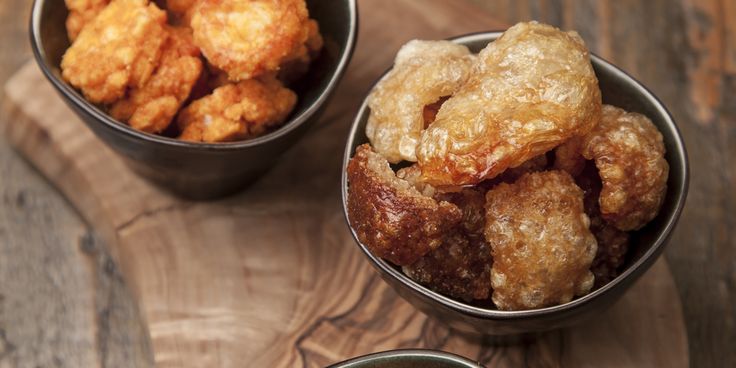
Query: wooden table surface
685	52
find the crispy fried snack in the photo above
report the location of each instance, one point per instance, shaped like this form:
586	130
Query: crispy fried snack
461	266
541	246
296	65
612	242
247	38
237	111
530	90
629	153
151	107
568	156
390	217
81	12
423	72
120	48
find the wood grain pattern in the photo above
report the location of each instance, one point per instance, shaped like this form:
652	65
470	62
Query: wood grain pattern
271	277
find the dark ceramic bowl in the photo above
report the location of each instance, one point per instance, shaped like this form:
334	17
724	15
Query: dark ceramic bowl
618	89
201	170
408	359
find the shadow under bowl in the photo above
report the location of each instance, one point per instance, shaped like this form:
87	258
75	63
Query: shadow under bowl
416	358
619	89
202	170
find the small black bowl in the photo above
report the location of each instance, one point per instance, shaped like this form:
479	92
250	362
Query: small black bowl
618	89
202	170
410	358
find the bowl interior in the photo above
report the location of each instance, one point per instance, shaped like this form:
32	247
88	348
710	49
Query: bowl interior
338	24
408	359
618	89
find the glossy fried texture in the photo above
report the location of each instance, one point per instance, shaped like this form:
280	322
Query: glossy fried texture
389	216
247	38
238	111
629	153
120	48
423	72
413	175
461	266
151	107
612	243
534	164
568	156
541	246
296	65
81	12
530	90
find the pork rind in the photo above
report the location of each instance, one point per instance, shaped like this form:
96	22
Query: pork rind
612	242
151	107
238	111
541	246
119	48
389	216
629	153
248	38
81	12
530	90
423	72
461	266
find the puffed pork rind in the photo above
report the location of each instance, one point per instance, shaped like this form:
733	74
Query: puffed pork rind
613	244
248	38
530	90
118	49
540	242
152	107
390	217
461	266
423	72
629	153
237	111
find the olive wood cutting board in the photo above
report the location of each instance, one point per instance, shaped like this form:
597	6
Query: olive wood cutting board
271	277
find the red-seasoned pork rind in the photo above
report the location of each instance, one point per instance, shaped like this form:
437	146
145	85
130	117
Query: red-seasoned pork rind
461	266
118	49
629	153
237	111
423	72
540	242
248	38
529	91
390	217
612	242
151	107
81	12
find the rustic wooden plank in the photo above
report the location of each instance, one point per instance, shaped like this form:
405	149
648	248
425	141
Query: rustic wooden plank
214	295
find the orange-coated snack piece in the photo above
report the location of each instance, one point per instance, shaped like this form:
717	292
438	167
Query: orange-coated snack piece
118	49
81	12
423	73
295	66
389	216
247	38
540	242
530	90
629	153
151	107
237	111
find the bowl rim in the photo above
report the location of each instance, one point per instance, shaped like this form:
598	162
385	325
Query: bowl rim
633	270
78	100
408	353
